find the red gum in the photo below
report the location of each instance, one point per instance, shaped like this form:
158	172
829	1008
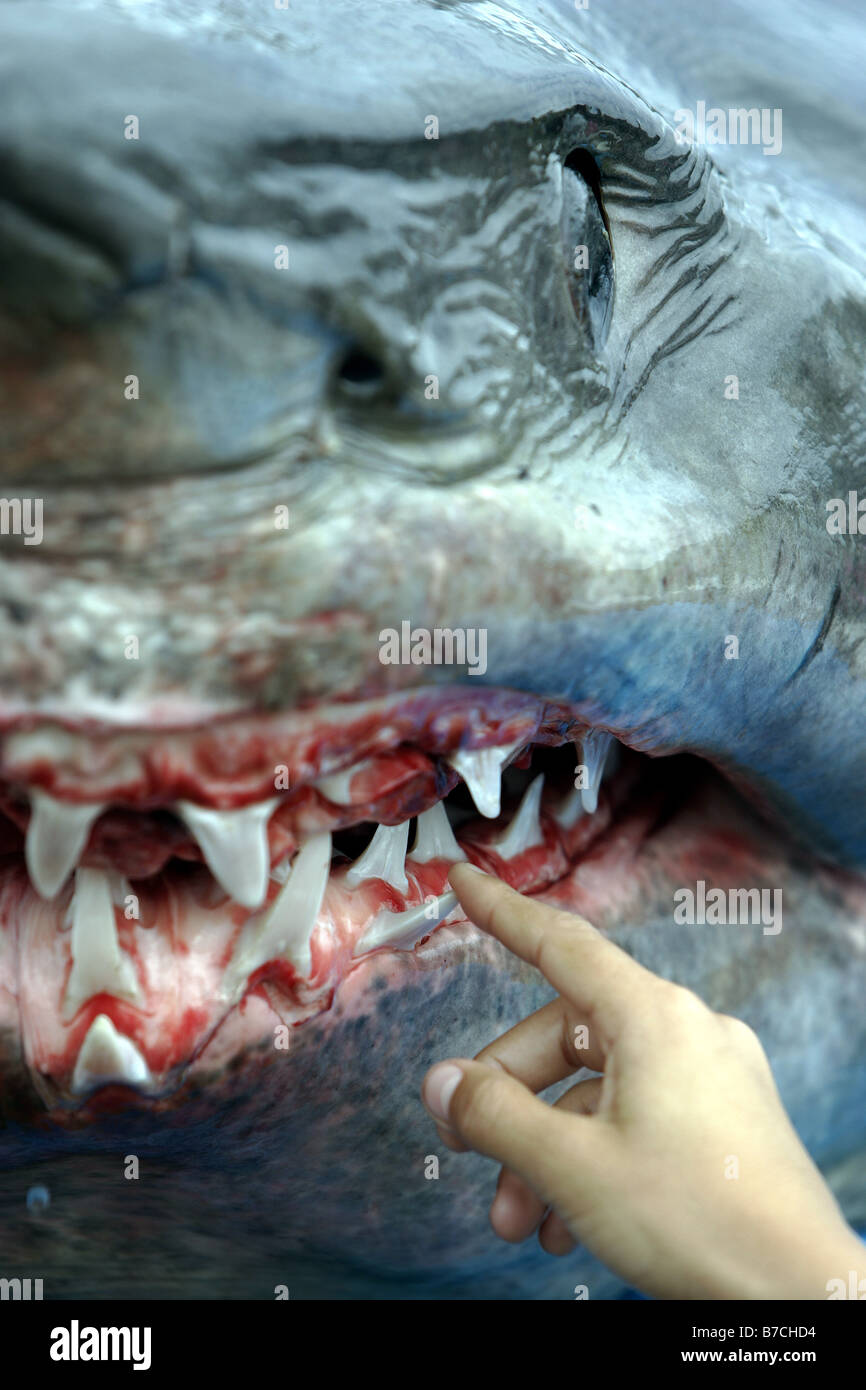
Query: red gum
233	763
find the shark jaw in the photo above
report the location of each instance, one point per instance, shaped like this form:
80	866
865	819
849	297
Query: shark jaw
213	887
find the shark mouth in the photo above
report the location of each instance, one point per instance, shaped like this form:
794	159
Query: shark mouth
156	885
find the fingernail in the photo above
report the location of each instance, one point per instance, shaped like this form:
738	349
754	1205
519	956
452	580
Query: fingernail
474	868
439	1086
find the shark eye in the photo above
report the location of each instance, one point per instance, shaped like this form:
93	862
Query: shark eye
361	376
587	244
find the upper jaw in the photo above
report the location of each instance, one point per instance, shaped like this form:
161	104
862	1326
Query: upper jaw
231	761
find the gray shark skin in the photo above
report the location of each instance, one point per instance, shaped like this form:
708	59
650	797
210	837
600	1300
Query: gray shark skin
584	487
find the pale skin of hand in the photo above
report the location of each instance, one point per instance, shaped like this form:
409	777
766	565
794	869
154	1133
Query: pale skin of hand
636	1164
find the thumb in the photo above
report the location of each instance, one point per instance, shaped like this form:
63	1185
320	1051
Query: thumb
557	1153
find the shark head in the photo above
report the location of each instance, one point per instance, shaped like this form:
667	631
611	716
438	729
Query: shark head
400	421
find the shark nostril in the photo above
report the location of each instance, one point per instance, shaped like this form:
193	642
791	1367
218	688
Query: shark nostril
360	375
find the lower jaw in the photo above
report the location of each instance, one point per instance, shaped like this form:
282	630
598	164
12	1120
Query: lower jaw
193	1008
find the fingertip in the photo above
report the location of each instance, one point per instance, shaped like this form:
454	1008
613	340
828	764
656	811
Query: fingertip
515	1210
438	1087
465	873
505	1218
554	1236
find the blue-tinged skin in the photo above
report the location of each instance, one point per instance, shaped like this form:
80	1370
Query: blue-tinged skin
583	487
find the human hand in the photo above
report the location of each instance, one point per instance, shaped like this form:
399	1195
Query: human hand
678	1167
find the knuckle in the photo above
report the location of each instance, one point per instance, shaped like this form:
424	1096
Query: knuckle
681	1007
741	1035
736	1027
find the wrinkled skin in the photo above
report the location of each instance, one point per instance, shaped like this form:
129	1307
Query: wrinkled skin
596	503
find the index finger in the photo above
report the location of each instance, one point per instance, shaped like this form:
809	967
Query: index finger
599	978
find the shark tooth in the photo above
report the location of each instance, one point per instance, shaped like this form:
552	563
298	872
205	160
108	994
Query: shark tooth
596	746
384	857
402	930
285	929
434	838
99	966
481	770
570	809
235	846
107	1055
335	785
524	832
56	836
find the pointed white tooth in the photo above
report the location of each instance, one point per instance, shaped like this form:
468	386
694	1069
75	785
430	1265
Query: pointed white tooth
570	809
284	930
98	964
119	888
596	746
384	857
336	785
481	770
434	838
281	871
106	1056
524	832
56	835
613	759
235	846
401	930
